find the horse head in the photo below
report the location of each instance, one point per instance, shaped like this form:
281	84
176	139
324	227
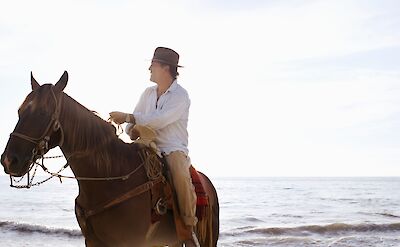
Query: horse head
38	128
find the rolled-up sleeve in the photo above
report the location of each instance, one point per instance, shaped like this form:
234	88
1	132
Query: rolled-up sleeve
172	110
140	107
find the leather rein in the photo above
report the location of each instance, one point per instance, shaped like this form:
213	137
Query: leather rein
42	145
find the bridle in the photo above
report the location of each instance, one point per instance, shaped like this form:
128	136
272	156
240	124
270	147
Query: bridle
42	146
42	142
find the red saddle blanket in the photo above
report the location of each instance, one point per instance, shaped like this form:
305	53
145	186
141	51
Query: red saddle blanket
202	198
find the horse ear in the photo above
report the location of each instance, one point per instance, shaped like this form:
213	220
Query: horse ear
34	83
60	85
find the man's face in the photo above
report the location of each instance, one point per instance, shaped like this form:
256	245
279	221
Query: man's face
157	71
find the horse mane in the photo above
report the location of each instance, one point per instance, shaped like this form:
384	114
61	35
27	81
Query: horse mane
89	133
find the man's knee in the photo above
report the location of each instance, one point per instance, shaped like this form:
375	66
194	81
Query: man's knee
178	162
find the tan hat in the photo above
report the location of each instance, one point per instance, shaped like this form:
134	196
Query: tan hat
166	56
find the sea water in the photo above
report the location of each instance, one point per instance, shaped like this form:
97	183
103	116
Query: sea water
280	212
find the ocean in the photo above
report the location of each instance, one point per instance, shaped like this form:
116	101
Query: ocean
281	212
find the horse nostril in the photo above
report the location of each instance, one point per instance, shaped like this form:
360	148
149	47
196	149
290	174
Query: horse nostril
8	160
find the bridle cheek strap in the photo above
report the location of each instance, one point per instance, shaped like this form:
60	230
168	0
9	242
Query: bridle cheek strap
42	143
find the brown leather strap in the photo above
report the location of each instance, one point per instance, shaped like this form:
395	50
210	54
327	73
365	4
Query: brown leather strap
132	193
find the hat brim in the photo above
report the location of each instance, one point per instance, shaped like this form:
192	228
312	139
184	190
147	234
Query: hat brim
165	62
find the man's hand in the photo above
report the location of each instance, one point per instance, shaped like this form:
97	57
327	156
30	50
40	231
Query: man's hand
118	117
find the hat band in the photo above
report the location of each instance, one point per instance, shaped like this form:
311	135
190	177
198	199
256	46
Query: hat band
165	62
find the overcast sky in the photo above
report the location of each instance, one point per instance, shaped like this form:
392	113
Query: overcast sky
278	88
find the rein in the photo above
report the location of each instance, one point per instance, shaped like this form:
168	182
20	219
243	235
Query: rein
154	178
60	176
42	145
152	167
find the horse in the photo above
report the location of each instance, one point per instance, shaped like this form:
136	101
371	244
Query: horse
113	206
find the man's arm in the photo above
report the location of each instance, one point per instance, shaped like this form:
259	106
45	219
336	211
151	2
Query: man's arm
171	112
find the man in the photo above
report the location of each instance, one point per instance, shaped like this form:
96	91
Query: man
165	108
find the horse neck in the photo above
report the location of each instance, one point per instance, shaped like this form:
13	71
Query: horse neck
85	135
93	150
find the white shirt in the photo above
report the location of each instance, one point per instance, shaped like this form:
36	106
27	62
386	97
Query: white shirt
168	116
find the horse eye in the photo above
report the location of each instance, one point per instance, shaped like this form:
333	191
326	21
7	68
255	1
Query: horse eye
24	107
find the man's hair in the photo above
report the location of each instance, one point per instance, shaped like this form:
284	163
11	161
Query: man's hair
172	70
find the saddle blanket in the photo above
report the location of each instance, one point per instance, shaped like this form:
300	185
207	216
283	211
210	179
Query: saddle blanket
202	198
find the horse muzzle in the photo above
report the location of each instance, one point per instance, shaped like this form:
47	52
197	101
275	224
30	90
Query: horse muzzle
11	163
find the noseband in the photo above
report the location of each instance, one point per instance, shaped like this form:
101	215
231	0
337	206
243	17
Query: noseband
42	143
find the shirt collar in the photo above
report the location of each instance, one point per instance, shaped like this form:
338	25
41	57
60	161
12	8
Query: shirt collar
173	86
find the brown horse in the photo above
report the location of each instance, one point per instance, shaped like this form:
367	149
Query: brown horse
113	207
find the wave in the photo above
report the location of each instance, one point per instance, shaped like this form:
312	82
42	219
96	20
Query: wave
389	215
28	228
336	228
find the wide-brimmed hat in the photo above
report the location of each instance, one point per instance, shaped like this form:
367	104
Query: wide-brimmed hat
167	56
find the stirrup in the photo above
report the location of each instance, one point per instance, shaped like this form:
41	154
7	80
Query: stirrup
161	207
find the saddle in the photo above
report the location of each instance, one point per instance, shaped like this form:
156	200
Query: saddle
164	200
162	194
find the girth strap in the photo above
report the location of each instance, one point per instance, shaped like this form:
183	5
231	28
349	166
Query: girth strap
86	213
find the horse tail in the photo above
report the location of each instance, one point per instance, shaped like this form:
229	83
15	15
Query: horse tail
207	229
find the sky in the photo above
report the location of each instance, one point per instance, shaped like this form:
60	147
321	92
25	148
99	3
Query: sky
278	88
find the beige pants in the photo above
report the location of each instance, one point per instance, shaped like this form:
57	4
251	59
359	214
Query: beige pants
179	164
